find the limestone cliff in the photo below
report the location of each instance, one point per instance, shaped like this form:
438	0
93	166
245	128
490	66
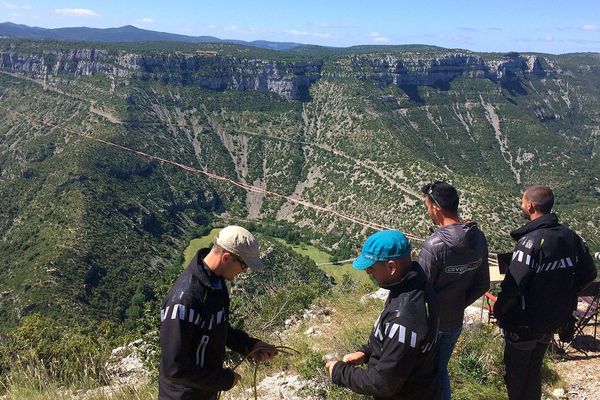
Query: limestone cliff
417	69
290	80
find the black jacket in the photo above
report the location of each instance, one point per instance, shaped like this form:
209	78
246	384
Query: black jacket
549	266
194	331
402	347
455	258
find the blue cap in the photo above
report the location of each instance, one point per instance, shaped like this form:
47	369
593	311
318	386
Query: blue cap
382	246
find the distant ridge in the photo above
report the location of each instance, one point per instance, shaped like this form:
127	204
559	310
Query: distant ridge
122	34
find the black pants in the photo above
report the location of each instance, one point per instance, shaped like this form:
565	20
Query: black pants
523	363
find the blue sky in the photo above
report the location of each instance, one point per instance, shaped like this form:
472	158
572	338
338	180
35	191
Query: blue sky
517	25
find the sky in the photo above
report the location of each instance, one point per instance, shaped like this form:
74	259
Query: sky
490	26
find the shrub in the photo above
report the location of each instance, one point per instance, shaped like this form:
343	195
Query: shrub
40	352
477	368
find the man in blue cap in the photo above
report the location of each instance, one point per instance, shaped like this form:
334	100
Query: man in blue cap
400	353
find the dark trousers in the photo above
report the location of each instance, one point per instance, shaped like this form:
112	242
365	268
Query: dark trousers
523	363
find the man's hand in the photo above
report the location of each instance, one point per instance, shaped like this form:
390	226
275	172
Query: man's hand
355	358
329	367
262	351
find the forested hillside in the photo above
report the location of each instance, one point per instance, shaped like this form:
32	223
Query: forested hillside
85	225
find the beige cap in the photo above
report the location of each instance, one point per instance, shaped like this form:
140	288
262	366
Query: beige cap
242	243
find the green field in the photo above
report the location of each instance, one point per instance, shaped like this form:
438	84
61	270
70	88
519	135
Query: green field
321	258
338	271
197	244
315	254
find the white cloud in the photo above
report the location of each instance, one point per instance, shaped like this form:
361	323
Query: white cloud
296	32
6	4
331	25
212	26
145	20
76	12
236	29
590	27
549	38
376	37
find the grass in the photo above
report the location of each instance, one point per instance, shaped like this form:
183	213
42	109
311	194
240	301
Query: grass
315	254
341	324
27	390
476	367
323	261
338	333
337	271
321	258
197	244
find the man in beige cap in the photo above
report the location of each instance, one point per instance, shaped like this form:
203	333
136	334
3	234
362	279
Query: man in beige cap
195	321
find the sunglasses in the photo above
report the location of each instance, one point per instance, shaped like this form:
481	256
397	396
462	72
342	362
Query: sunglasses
431	196
242	263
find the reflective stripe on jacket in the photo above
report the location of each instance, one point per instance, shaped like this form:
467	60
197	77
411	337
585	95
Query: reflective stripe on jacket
402	347
193	334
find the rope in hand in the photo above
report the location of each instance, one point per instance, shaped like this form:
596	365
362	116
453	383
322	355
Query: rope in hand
280	349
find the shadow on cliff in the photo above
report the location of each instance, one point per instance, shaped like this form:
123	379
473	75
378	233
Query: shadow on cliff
513	85
412	91
515	88
303	93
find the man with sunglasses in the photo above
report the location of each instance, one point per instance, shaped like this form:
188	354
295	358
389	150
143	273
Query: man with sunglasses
195	325
455	258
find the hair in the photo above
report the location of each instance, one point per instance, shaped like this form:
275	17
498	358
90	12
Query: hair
404	261
443	194
541	196
403	265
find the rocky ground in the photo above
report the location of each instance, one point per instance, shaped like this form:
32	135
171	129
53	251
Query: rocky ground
125	369
580	368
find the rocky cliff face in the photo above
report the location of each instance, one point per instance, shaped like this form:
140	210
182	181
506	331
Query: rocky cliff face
424	70
290	80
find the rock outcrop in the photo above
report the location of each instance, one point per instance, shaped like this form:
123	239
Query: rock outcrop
418	70
290	80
